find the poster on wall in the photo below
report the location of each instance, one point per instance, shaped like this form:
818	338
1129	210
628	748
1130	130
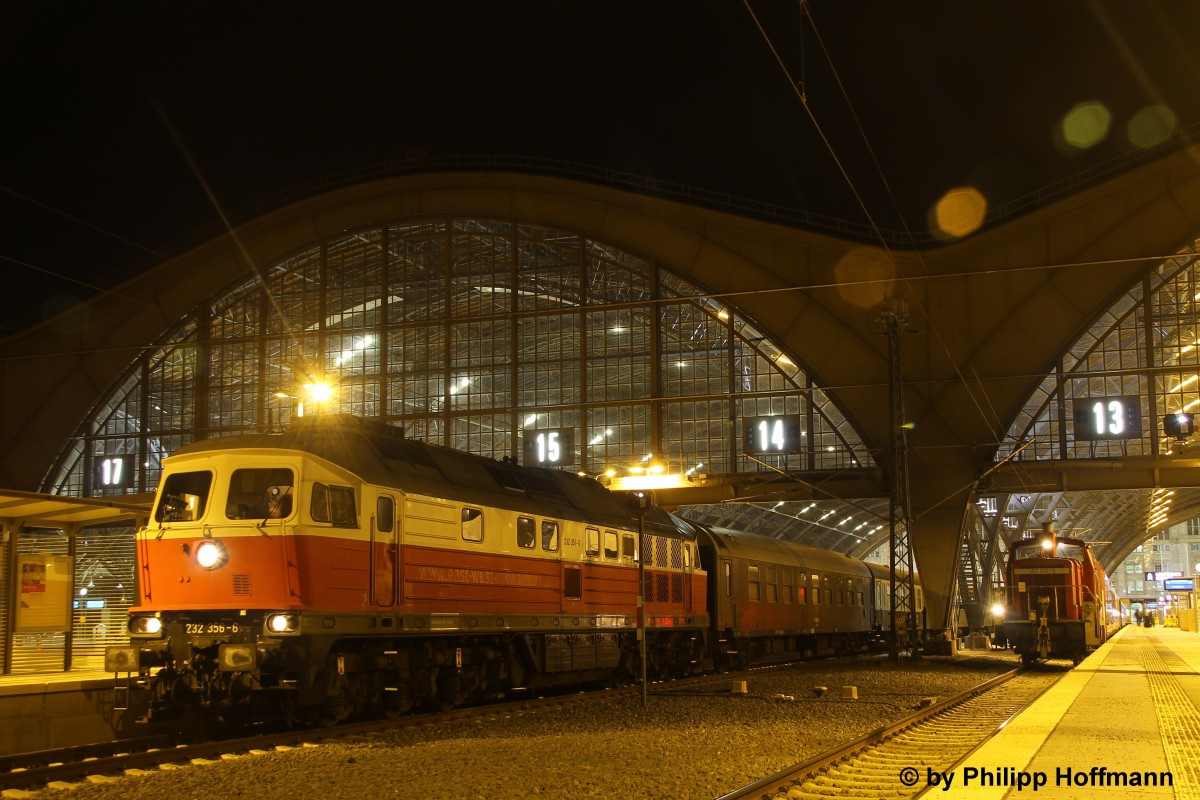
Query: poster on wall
45	598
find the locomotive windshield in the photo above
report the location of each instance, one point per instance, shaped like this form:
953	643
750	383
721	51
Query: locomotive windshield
184	497
260	493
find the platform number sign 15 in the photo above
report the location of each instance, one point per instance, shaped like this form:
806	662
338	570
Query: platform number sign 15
549	448
1107	418
772	435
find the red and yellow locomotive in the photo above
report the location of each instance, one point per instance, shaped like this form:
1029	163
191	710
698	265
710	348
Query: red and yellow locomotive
339	568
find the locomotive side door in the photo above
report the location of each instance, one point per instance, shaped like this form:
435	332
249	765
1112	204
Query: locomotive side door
385	531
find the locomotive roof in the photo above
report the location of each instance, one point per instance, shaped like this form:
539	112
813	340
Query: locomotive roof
379	453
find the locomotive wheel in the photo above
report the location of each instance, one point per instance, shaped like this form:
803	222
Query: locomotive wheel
450	693
337	704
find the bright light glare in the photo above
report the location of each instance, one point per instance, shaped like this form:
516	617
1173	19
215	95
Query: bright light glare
1151	126
1086	124
209	554
960	212
318	392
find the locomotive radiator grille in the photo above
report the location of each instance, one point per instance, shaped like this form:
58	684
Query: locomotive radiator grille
241	584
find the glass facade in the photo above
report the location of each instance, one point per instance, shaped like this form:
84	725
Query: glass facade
471	333
1144	347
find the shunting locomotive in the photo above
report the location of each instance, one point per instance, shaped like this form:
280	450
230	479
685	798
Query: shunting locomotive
1059	601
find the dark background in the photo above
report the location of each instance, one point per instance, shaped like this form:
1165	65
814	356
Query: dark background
131	128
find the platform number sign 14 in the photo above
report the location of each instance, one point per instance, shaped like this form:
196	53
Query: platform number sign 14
772	435
1107	418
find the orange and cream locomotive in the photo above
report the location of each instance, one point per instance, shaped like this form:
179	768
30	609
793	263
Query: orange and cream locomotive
340	568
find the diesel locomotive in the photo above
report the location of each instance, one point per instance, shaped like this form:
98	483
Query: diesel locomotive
340	568
1059	602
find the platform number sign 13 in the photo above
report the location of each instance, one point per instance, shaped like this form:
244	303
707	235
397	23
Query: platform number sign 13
772	435
549	448
1107	418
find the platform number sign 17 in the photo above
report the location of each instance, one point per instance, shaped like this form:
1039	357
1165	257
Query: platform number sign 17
1099	418
112	472
772	435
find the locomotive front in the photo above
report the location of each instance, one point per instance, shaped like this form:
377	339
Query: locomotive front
1053	607
218	613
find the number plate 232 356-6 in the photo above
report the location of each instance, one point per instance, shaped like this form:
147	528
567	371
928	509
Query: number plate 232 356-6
210	628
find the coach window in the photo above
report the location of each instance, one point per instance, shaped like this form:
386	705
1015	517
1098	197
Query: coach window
816	586
802	594
385	514
333	504
728	579
549	536
610	544
752	584
772	587
526	532
785	590
472	524
591	541
628	546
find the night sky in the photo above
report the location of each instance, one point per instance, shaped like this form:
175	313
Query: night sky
130	127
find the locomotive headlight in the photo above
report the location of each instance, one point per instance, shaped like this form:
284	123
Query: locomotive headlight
211	554
998	611
145	626
283	623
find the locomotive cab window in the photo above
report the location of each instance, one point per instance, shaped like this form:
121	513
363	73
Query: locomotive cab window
628	546
610	544
260	494
385	514
526	532
184	497
333	504
592	541
472	524
549	536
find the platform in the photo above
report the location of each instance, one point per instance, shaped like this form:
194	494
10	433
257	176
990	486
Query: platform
1123	724
39	711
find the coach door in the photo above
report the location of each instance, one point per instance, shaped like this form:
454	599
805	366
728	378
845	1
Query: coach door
384	551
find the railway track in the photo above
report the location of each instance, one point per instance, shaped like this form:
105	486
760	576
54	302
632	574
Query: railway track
103	761
899	759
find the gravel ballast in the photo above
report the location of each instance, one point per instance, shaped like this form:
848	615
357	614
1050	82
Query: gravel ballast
685	745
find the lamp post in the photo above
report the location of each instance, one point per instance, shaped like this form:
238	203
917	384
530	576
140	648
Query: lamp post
642	500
